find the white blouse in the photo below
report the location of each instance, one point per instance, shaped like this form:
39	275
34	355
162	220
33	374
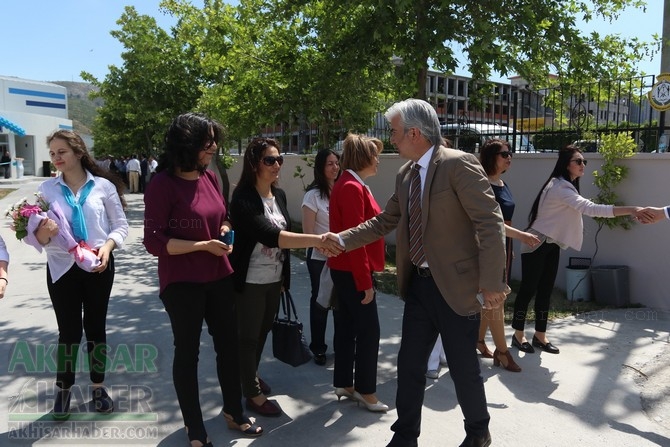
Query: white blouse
103	214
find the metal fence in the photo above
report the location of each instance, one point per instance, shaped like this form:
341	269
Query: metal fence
531	120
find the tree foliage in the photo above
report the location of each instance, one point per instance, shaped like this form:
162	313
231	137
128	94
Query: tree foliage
614	147
158	80
333	63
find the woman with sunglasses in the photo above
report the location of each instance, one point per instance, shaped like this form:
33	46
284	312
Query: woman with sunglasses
315	215
356	320
262	225
496	159
556	219
185	214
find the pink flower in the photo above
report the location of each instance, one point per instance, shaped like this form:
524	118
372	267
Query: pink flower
29	210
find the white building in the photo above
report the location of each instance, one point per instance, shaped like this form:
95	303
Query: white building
29	112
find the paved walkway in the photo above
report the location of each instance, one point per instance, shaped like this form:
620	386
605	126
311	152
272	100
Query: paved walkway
608	387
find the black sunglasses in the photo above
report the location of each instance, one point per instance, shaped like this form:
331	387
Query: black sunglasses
580	161
505	154
270	161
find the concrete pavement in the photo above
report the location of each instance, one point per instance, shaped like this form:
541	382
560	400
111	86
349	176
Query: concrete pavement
608	387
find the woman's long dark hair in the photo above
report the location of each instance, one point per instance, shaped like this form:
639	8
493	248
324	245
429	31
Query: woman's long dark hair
252	158
560	171
78	146
320	181
187	135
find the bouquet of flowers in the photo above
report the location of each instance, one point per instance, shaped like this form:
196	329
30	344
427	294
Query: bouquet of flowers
20	214
26	219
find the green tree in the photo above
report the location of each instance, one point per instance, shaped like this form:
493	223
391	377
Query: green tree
531	38
268	66
159	79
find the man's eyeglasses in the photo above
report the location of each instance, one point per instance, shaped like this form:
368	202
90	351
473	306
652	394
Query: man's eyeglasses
580	161
505	154
270	161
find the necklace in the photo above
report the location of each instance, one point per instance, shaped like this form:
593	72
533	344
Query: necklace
75	186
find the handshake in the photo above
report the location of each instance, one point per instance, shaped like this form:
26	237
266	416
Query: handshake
329	245
649	214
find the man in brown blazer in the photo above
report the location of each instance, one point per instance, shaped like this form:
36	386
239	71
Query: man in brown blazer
461	253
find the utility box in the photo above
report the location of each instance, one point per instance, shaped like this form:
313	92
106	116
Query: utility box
611	285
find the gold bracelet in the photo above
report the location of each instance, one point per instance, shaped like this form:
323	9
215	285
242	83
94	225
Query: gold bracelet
6	282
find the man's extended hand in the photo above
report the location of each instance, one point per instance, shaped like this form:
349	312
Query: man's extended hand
650	214
330	245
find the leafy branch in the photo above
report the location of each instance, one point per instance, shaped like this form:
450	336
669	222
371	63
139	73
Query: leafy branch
614	147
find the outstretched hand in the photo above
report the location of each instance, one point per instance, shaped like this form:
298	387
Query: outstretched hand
649	214
529	239
330	245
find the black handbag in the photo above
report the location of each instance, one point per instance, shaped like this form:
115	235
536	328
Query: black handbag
288	339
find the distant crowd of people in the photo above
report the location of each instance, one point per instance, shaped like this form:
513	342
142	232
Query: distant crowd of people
135	171
452	216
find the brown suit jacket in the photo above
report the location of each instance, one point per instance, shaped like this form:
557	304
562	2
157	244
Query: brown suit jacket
463	229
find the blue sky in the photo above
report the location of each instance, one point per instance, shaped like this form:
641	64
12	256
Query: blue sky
48	40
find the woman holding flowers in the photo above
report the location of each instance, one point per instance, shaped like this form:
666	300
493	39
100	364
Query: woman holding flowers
4	263
91	202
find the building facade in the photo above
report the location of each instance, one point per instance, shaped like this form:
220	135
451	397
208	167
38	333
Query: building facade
29	112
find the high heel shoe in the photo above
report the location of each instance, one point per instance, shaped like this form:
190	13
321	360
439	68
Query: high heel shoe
511	364
376	407
484	350
525	346
342	392
244	424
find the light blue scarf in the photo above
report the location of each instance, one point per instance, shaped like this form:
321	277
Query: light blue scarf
78	223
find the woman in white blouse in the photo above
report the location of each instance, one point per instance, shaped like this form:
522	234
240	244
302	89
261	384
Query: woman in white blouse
4	265
91	201
556	218
315	215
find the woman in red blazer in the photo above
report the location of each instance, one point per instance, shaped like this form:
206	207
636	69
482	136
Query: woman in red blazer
356	319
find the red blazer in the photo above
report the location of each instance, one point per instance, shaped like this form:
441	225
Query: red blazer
351	203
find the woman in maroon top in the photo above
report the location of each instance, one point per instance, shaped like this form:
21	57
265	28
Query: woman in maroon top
356	319
185	214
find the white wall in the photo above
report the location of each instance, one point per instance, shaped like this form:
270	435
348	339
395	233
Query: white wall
644	248
39	108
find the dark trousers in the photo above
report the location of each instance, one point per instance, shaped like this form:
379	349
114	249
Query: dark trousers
143	182
318	316
75	292
426	314
356	336
188	305
256	309
538	274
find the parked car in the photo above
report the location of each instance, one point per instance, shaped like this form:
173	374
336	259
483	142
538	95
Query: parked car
469	137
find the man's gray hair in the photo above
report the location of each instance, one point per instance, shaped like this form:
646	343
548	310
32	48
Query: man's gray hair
420	114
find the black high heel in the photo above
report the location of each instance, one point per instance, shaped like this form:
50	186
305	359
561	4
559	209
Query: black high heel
240	422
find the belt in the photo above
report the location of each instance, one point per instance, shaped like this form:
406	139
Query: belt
423	272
